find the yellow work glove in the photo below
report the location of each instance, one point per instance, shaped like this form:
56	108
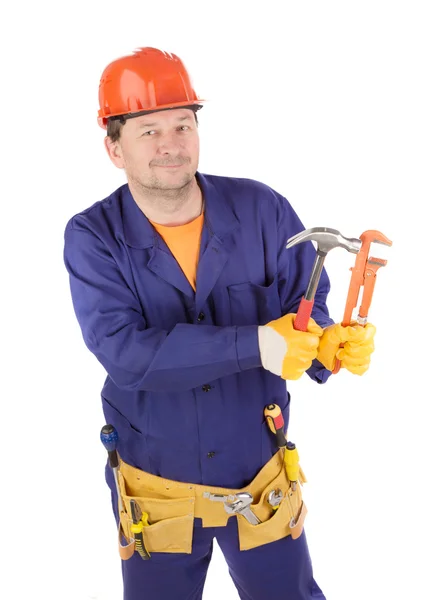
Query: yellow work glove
285	351
358	345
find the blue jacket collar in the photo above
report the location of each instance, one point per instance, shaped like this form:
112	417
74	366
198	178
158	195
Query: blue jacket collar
219	216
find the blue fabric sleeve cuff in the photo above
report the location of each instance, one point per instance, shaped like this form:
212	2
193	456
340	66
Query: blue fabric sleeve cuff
318	373
247	347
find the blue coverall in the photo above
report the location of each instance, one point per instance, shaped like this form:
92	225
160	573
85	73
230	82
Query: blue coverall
185	386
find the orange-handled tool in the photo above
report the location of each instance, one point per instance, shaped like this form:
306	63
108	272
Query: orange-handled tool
275	421
363	275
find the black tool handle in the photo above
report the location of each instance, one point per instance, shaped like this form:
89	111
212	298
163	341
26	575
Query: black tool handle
137	530
109	438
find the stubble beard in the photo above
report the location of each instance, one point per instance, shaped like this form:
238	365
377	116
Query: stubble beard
168	196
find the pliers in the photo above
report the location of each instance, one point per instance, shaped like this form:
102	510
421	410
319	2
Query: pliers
140	520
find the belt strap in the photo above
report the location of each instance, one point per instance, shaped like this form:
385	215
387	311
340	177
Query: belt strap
126	551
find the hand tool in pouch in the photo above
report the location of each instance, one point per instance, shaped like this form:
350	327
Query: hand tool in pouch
363	275
140	520
236	504
241	506
274	498
275	421
326	240
109	438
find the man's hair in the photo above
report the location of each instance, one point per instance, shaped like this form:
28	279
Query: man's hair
116	124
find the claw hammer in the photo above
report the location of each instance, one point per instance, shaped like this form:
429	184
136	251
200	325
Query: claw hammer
326	240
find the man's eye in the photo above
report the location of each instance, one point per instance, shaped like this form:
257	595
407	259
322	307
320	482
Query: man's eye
149	132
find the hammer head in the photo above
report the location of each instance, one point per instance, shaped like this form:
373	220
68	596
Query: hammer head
326	239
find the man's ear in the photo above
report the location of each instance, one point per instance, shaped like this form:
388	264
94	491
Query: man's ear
114	152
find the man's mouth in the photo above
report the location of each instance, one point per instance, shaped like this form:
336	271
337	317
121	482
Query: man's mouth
168	166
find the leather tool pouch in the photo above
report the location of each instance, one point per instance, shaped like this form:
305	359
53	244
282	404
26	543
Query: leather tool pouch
287	519
172	507
171	521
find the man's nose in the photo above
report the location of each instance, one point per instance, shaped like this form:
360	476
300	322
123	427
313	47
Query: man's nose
168	142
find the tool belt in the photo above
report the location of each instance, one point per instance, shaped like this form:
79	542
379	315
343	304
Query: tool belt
172	507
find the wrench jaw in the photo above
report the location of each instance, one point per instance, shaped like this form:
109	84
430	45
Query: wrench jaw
274	498
364	275
372	236
371	267
236	504
241	506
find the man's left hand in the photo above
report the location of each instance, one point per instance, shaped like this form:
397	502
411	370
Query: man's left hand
358	345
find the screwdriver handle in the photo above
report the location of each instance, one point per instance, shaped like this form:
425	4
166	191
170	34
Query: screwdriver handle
291	462
275	421
109	438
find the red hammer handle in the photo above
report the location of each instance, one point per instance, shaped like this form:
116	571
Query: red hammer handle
303	315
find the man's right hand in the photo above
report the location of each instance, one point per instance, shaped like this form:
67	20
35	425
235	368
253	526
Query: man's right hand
285	351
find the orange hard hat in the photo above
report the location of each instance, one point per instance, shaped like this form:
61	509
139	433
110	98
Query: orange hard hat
145	81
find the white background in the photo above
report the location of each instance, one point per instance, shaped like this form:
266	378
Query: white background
327	102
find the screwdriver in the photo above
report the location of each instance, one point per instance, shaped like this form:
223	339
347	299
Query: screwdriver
275	421
109	438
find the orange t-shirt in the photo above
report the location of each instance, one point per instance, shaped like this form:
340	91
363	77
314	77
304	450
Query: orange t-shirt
184	242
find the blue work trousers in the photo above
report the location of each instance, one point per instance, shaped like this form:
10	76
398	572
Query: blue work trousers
281	569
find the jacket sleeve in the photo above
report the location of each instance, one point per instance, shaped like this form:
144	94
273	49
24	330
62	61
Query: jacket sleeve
294	270
137	357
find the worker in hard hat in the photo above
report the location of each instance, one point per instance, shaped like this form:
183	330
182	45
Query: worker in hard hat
186	294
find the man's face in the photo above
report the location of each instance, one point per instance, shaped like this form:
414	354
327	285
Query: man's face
159	150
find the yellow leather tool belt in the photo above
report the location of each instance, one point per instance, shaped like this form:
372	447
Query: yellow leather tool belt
172	507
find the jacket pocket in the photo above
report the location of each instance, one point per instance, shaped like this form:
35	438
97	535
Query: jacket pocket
286	520
132	443
253	304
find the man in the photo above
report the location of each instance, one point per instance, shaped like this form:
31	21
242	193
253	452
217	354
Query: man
186	294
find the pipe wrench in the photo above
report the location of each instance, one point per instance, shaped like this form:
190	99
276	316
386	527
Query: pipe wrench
363	275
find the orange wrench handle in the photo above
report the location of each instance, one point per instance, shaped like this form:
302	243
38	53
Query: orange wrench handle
356	281
352	299
337	366
362	314
369	282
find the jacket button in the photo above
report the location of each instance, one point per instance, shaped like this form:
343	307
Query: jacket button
201	317
211	454
206	387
